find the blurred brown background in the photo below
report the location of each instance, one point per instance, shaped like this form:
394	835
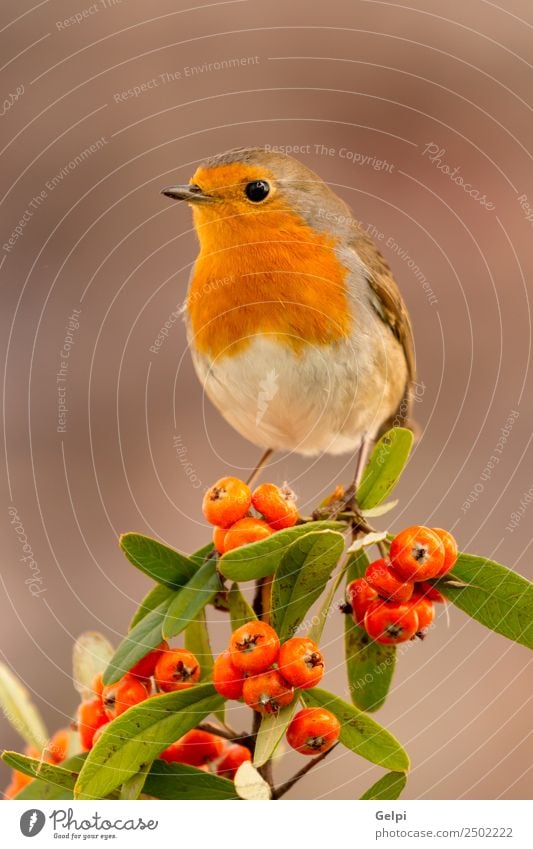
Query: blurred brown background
140	442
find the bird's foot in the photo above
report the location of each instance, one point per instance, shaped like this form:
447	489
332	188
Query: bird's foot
341	503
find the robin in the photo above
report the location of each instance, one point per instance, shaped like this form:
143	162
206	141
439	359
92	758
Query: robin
297	328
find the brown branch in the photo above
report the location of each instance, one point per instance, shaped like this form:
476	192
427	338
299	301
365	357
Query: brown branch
284	788
226	734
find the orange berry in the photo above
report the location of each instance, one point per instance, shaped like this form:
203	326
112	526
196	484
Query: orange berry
276	505
389	622
381	576
234	756
254	647
301	662
313	730
123	694
450	550
144	668
195	748
176	669
219	535
246	531
18	782
424	610
268	692
359	593
227	501
57	748
91	716
417	553
227	679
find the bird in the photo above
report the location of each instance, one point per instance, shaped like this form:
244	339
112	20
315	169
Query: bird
298	331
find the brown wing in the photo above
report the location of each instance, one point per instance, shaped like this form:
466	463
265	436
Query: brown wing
388	302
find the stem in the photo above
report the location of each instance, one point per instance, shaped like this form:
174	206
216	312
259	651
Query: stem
284	788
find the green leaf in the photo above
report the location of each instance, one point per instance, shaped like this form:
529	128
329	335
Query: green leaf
359	732
90	656
38	790
138	736
240	611
271	730
369	665
144	637
320	618
178	781
301	577
497	597
158	594
197	641
380	510
20	711
60	776
384	467
199	557
132	787
388	787
199	591
158	561
260	559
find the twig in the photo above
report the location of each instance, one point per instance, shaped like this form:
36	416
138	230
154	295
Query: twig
284	788
226	733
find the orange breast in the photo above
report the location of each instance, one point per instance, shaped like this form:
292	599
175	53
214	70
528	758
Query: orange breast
278	276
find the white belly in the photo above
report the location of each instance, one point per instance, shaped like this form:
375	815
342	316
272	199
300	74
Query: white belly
323	400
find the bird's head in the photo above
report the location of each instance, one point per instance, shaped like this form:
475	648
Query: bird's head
242	192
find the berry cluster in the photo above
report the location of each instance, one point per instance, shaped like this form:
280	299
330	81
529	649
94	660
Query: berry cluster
266	675
394	601
229	506
170	669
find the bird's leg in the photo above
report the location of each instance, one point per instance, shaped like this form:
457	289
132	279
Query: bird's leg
347	502
262	462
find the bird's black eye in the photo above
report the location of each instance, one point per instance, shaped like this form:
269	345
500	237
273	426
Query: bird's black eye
257	190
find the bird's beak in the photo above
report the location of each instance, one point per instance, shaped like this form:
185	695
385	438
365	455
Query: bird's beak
189	192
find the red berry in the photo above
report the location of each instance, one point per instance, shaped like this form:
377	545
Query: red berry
246	531
429	591
450	550
389	622
417	553
254	647
227	501
144	668
268	692
382	577
227	679
91	716
276	505
125	693
424	610
176	669
301	662
360	594
195	748
233	757
313	730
